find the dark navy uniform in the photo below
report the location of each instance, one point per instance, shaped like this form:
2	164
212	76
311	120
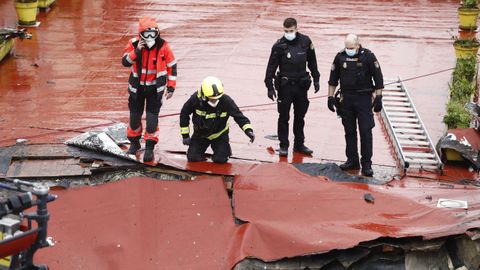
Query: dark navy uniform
359	76
292	83
210	126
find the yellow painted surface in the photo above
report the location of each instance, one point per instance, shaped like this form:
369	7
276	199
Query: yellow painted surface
468	18
5	47
45	3
453	155
4	261
26	12
464	52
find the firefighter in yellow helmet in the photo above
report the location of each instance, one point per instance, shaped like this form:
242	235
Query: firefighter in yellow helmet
211	109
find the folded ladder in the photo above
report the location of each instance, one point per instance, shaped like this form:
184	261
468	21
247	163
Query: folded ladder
412	143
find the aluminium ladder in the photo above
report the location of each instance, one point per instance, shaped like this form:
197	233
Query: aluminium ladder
412	143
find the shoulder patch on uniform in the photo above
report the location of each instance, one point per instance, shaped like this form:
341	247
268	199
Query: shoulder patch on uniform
377	65
332	68
311	46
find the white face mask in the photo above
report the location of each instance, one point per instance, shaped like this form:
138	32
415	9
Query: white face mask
150	42
350	52
290	36
213	104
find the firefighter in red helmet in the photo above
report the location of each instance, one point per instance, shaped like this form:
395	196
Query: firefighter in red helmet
153	75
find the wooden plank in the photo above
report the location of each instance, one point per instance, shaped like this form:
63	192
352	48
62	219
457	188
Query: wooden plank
51	151
46	168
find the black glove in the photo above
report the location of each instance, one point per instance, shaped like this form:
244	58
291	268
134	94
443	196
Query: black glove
271	94
377	103
186	141
250	134
331	103
317	86
170	89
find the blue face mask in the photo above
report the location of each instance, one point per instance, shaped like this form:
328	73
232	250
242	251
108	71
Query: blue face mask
350	52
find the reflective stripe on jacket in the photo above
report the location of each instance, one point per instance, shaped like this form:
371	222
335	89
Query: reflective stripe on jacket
210	122
158	65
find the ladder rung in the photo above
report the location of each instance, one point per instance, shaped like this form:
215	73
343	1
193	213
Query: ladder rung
412	136
403	114
392	103
393	93
390	89
395	98
419	155
404	119
409	142
417	166
408	130
416	148
407	125
421	161
402	109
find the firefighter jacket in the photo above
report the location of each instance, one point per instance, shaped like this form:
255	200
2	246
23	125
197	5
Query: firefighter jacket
210	122
291	58
154	67
356	73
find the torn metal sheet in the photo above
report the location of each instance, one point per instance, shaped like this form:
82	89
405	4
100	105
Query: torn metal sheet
308	215
117	132
465	141
99	142
287	214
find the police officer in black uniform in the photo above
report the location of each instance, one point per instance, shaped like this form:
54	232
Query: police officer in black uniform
360	75
290	55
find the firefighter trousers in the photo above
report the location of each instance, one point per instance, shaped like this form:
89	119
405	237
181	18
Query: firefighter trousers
136	105
220	146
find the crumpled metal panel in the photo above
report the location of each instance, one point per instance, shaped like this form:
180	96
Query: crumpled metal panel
101	142
291	214
465	141
151	224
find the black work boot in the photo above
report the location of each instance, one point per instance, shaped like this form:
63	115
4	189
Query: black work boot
302	149
149	146
350	165
367	171
134	145
283	151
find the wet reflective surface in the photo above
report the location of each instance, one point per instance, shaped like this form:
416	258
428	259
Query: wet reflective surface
69	78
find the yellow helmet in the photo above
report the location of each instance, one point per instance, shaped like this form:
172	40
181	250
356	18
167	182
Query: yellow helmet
211	87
